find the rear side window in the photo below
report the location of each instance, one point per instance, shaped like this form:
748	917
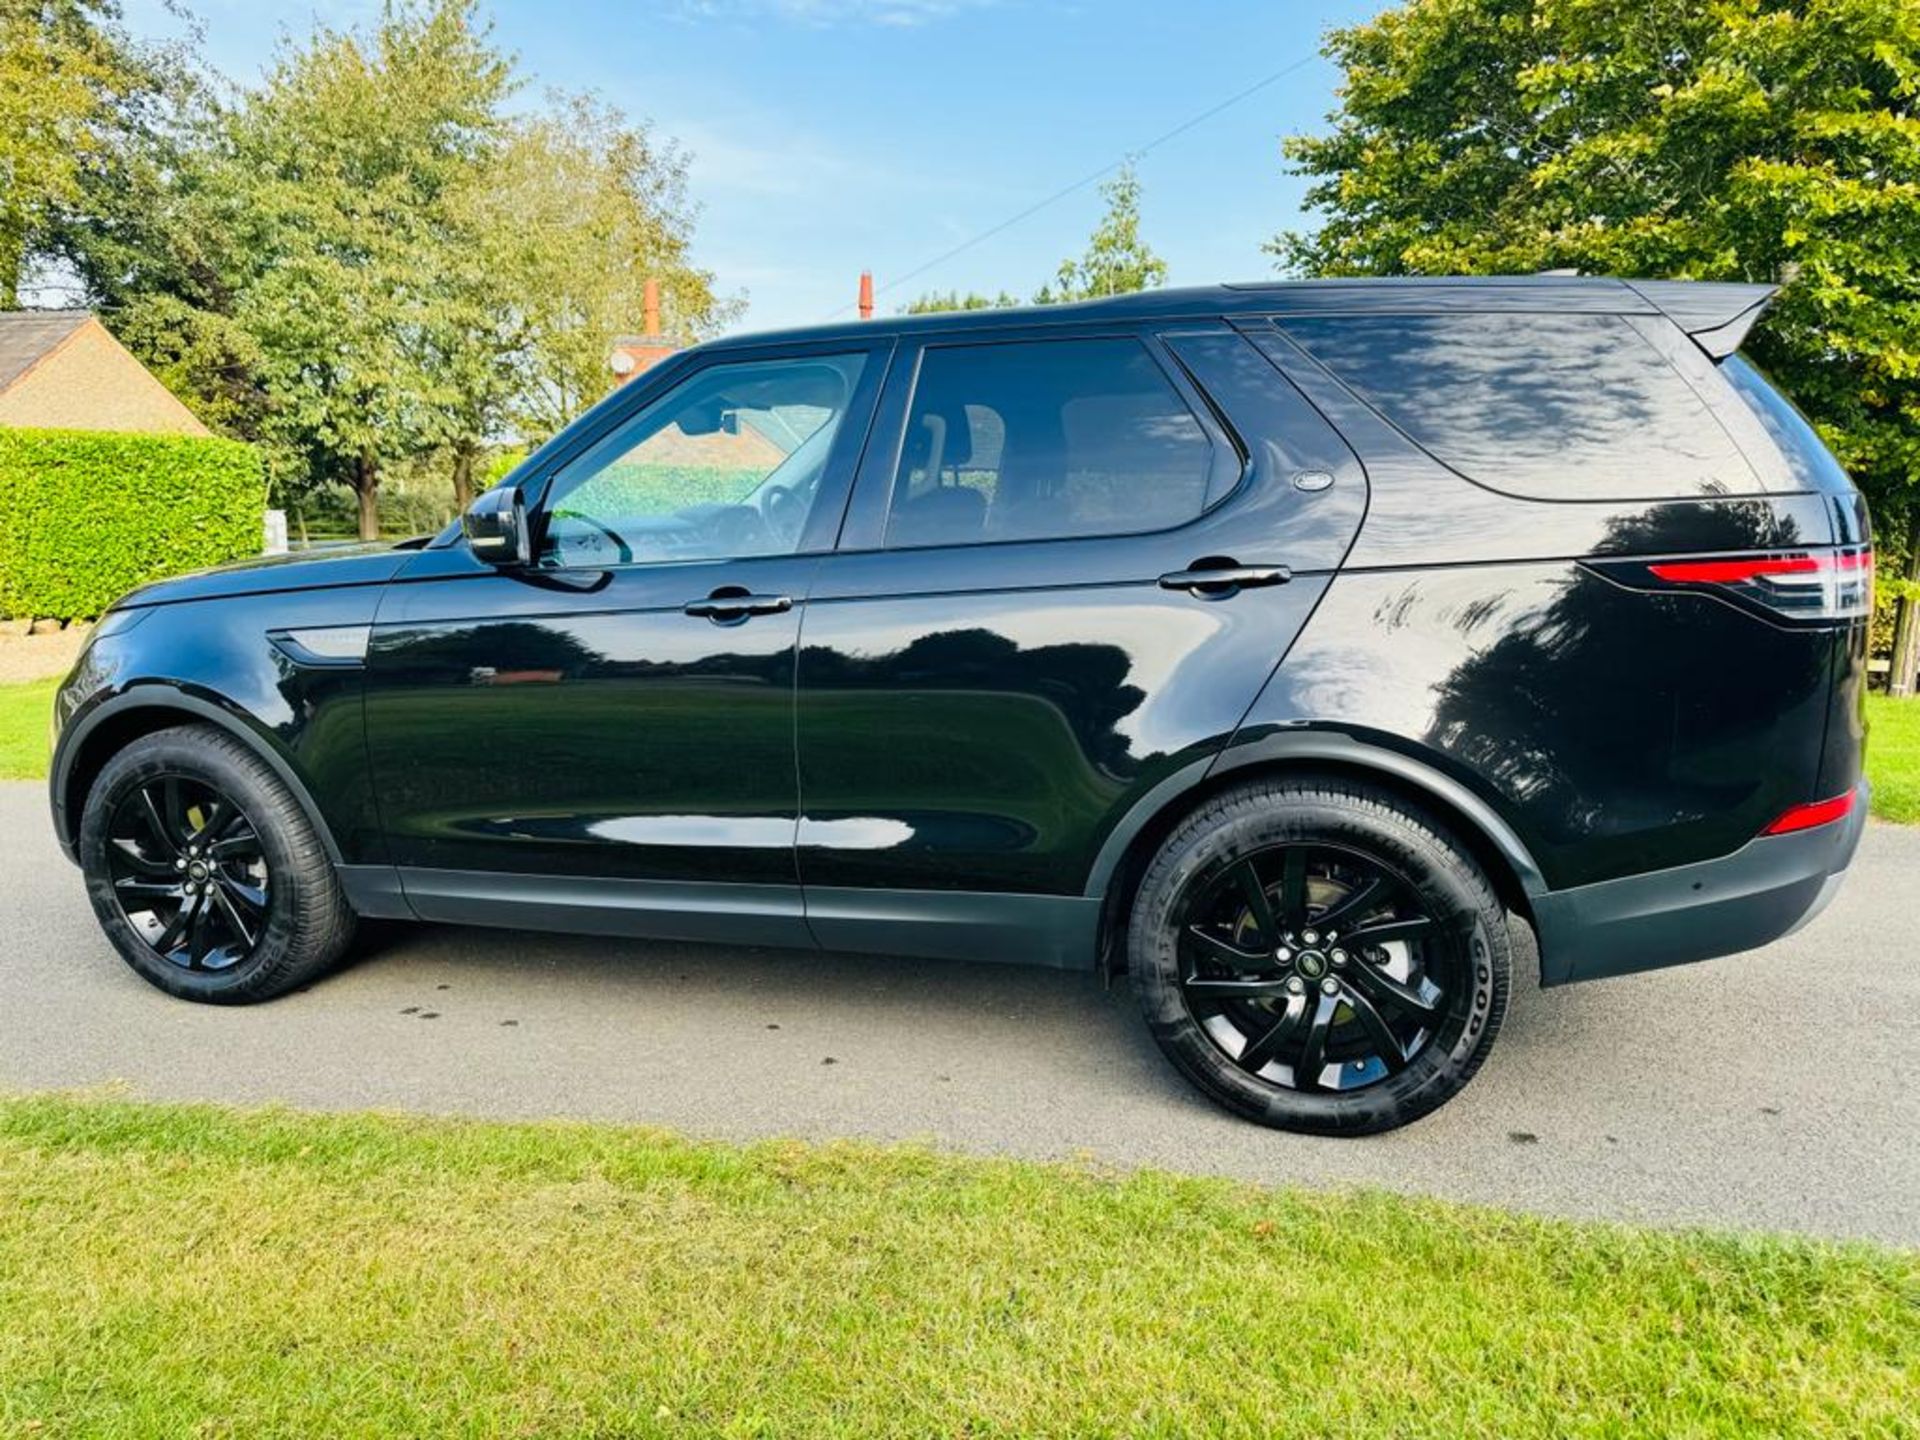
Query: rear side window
1045	440
1550	407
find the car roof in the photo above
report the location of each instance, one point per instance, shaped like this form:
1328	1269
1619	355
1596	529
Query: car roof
1690	303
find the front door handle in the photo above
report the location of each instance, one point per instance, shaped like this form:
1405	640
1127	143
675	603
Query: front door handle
1225	579
731	604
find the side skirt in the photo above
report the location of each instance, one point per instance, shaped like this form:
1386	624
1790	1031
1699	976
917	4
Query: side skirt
1056	931
584	905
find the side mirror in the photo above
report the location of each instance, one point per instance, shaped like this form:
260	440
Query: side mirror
496	527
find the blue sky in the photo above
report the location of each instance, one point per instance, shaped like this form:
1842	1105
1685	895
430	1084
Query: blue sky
831	135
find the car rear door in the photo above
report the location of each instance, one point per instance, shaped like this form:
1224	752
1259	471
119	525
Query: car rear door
1067	570
603	739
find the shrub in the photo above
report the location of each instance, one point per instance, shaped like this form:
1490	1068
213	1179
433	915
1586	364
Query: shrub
87	515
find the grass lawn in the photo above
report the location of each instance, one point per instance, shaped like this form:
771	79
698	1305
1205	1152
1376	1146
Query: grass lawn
185	1270
24	713
1893	757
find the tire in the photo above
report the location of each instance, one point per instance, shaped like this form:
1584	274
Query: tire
1275	1031
191	808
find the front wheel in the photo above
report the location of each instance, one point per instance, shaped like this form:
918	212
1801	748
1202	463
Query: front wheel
205	872
1320	956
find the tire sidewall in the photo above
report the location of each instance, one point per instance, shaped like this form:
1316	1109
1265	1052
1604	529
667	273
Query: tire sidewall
1448	884
190	755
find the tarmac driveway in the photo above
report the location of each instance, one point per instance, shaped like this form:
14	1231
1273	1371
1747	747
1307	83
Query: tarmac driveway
1775	1090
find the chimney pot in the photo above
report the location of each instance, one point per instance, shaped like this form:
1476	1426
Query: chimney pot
866	294
652	307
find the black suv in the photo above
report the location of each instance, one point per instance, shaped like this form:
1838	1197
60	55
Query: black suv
1279	644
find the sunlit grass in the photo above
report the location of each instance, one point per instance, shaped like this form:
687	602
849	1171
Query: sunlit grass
1893	757
171	1271
24	713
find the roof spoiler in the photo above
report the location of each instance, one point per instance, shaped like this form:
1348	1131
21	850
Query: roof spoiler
1717	314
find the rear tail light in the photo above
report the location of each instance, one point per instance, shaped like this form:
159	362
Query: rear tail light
1815	812
1809	586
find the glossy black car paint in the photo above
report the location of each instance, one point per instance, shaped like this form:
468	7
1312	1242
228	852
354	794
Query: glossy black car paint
968	750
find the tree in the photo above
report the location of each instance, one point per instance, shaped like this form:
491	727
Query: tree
70	81
367	259
145	235
1753	140
934	302
582	209
341	188
1117	261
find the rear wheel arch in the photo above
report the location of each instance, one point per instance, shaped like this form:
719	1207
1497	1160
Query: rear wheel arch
143	710
1131	848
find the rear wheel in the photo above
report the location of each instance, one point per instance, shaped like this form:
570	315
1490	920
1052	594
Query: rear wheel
1320	956
205	872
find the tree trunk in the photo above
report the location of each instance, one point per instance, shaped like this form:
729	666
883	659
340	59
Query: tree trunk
463	477
366	488
1906	622
13	256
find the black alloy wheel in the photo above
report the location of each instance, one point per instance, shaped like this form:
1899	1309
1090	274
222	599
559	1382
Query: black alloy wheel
189	872
1315	966
206	872
1320	955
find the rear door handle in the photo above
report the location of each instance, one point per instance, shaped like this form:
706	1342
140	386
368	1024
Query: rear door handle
1224	579
730	604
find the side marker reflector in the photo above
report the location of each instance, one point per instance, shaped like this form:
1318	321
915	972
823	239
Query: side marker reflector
1816	812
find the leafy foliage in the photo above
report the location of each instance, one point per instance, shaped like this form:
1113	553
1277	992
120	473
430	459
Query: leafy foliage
377	256
935	301
90	514
1117	261
72	84
582	208
339	180
1749	140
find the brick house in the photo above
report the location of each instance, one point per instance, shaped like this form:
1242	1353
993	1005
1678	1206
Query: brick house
61	370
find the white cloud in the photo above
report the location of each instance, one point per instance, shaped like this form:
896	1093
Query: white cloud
765	155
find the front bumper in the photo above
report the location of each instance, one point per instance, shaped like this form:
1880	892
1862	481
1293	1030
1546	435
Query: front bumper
1768	888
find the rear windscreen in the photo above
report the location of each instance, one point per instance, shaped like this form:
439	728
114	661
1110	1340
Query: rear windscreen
1551	407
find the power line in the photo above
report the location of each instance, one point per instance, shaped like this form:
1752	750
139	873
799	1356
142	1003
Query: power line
1085	180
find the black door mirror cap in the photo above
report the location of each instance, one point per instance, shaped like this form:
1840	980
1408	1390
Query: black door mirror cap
495	525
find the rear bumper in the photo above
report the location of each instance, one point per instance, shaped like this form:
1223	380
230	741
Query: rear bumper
1764	890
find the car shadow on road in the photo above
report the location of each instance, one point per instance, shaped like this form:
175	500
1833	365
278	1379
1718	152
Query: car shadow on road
880	1007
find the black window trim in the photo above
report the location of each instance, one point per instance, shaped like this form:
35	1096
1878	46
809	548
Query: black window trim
870	507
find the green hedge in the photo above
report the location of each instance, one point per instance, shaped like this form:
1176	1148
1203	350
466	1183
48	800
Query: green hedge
87	515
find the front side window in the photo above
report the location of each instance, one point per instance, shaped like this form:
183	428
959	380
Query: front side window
728	464
1045	440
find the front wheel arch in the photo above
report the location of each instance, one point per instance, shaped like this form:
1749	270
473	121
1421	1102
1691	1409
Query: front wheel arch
141	710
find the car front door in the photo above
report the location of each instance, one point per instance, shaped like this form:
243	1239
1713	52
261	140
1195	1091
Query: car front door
602	738
1018	637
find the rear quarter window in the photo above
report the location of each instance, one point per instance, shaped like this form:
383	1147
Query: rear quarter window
1548	407
1805	459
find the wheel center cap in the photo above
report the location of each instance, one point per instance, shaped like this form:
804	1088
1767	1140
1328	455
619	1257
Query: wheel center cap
198	870
1310	963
